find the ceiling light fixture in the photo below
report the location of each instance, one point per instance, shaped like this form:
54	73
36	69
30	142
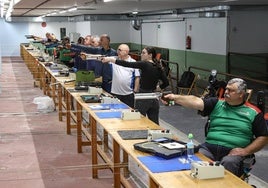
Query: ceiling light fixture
105	1
63	11
9	10
206	9
72	9
39	19
2	9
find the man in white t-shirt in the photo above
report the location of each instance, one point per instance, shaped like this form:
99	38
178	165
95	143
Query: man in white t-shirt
125	80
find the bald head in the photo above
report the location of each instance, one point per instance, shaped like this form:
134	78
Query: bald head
123	51
124	47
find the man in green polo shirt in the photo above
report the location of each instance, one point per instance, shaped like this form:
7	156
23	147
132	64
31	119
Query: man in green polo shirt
65	54
237	128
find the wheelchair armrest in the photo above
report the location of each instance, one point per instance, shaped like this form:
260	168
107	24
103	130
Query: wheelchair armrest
207	127
249	161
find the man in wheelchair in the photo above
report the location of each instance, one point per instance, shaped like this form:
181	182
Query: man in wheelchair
237	128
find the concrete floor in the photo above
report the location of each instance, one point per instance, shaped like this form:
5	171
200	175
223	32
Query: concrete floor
35	150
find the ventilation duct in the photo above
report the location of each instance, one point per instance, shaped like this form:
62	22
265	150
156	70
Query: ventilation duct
204	9
136	24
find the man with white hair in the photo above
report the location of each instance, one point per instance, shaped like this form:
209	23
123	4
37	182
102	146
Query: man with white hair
125	81
237	128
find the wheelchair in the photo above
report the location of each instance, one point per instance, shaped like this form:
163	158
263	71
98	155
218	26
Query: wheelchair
247	163
216	89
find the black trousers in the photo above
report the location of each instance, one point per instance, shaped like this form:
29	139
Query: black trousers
127	99
149	108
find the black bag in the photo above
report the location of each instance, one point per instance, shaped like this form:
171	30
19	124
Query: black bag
91	98
154	147
187	79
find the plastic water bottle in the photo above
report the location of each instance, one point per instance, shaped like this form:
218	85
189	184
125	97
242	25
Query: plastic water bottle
190	146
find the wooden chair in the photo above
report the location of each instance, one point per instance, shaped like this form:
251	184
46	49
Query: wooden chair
187	83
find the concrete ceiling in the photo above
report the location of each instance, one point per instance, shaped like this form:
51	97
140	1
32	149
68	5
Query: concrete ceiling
35	8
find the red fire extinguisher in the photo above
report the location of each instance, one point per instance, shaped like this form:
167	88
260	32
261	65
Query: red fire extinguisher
188	42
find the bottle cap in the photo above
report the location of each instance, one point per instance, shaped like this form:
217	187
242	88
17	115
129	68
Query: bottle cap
190	135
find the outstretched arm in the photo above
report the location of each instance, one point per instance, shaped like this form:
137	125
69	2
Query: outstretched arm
108	59
188	101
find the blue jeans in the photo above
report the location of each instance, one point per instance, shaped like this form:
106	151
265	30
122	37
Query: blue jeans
215	152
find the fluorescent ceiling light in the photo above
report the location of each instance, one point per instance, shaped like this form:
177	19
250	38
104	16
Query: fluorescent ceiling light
2	9
39	19
72	9
105	1
9	10
63	11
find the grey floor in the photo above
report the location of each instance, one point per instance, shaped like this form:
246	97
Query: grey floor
188	121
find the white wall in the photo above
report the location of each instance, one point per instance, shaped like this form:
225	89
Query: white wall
209	35
52	27
249	31
172	35
134	35
84	28
149	34
117	30
163	34
11	35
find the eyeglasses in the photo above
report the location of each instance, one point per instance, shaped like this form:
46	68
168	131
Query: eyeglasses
120	50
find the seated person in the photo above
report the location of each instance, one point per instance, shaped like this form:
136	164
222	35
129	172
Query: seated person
237	128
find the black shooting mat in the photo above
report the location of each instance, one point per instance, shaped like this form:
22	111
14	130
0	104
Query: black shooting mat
133	134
